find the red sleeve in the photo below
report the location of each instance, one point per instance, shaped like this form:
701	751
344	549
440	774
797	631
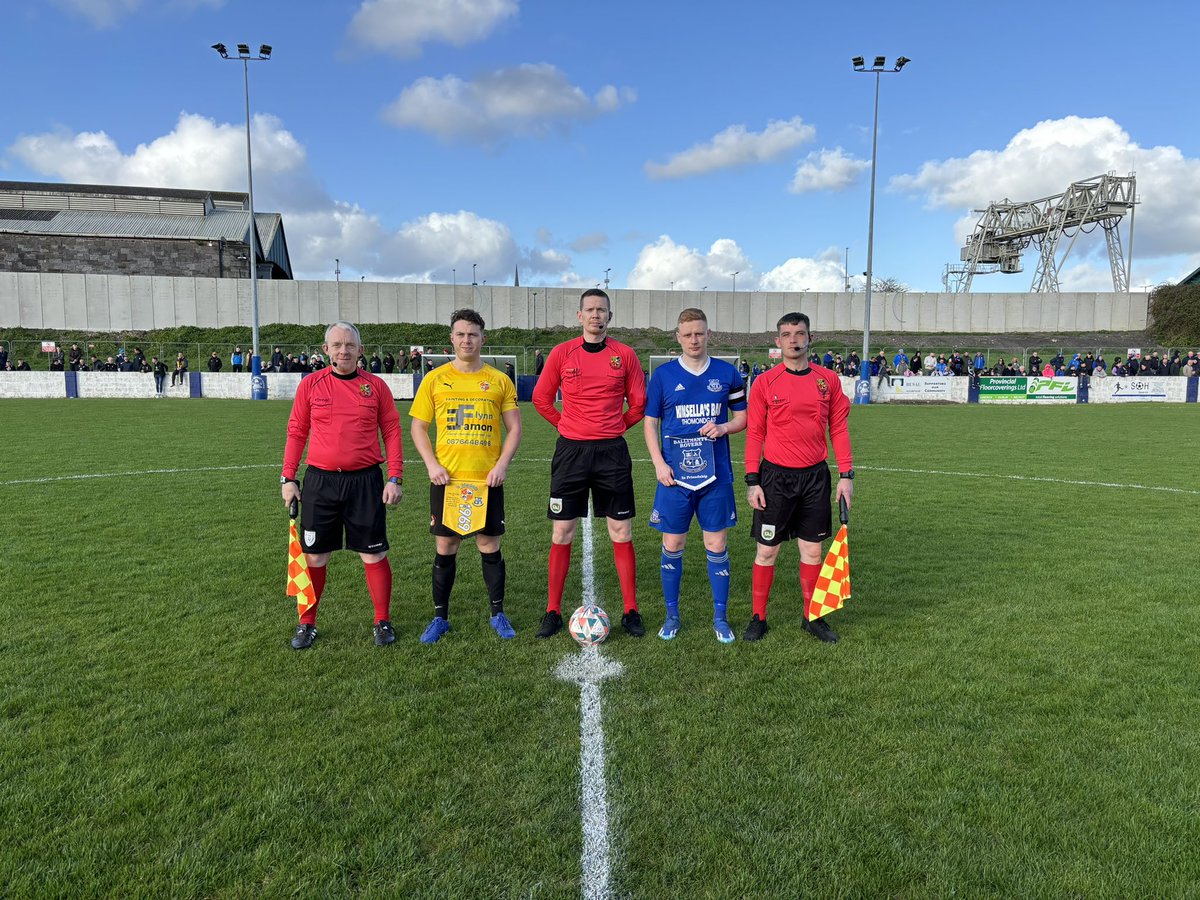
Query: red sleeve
547	386
756	425
839	426
635	389
297	429
389	425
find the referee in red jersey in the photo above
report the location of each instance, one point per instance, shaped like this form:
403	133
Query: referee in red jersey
339	412
603	395
791	409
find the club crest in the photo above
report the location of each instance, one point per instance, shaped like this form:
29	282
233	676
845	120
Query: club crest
484	385
714	385
364	389
614	361
655	518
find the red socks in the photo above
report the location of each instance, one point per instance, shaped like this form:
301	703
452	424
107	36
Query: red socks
626	573
560	564
809	572
761	588
316	575
379	586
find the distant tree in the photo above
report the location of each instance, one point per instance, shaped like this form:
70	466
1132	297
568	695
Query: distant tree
888	285
1175	314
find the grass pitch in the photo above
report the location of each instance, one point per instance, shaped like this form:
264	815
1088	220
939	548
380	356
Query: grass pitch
1012	710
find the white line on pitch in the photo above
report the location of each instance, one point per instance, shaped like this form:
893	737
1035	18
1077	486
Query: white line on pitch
587	669
1107	484
51	478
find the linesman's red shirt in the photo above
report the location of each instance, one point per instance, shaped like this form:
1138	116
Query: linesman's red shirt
789	414
595	387
340	417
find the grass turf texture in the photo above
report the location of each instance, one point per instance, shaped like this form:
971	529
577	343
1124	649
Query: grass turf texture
1012	710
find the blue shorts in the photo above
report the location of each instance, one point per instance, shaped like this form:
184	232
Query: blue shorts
713	507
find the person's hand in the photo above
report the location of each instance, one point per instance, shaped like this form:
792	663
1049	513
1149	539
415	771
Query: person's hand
290	492
439	475
496	477
392	493
845	488
712	430
664	474
756	498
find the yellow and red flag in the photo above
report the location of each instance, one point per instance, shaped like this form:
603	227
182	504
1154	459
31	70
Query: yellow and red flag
299	585
833	584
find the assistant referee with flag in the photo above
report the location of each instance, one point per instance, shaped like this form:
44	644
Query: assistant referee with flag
791	409
340	413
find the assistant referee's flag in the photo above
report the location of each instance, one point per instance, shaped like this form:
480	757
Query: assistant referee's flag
299	585
833	584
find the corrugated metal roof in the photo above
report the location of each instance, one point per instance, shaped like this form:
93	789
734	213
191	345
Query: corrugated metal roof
227	224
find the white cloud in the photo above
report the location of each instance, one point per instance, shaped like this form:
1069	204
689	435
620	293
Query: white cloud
527	99
106	13
827	170
596	240
735	146
202	154
824	273
400	27
1043	160
663	262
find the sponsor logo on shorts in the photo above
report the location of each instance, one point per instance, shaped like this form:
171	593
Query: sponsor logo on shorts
714	385
556	504
432	521
310	538
655	518
364	389
768	532
622	512
372	546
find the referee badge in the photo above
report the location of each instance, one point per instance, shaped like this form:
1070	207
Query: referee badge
614	361
364	389
768	532
310	538
822	387
556	504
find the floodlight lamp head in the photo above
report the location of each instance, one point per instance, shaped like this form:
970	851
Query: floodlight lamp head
243	50
264	52
858	62
902	62
222	49
880	62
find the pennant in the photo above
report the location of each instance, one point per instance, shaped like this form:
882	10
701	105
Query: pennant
833	584
299	585
464	509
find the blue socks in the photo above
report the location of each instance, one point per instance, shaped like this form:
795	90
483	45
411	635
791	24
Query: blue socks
718	577
671	570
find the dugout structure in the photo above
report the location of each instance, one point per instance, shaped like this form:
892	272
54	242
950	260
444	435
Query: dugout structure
656	361
496	361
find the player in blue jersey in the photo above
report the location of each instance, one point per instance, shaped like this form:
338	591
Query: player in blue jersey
693	404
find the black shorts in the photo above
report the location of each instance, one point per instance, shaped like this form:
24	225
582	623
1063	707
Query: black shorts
493	525
337	502
602	468
797	504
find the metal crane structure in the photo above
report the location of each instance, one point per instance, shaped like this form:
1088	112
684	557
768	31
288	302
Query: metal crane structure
1007	228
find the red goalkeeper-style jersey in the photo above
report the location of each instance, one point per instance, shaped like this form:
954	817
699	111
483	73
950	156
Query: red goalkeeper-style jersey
595	387
790	414
340	417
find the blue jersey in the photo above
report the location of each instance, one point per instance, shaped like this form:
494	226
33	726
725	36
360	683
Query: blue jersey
683	403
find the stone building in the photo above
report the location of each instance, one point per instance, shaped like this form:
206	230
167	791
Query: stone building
116	230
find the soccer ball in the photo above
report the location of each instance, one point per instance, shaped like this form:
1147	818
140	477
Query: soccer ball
589	625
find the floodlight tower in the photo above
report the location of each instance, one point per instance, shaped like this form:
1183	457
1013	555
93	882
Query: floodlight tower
258	385
862	394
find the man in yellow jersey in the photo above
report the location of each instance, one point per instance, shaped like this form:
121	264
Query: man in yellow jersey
469	401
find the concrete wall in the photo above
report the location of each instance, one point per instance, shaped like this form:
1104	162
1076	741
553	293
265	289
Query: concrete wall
122	256
144	302
223	385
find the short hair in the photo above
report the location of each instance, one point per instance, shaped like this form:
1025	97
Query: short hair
692	314
348	327
595	292
467	315
794	318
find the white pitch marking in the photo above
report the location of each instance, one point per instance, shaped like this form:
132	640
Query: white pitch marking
53	478
588	668
1038	478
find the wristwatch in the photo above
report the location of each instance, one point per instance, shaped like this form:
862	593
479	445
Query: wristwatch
849	473
395	479
283	479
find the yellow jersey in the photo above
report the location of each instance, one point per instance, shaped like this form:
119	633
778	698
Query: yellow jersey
466	409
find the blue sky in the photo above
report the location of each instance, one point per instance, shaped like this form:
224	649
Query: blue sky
671	142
